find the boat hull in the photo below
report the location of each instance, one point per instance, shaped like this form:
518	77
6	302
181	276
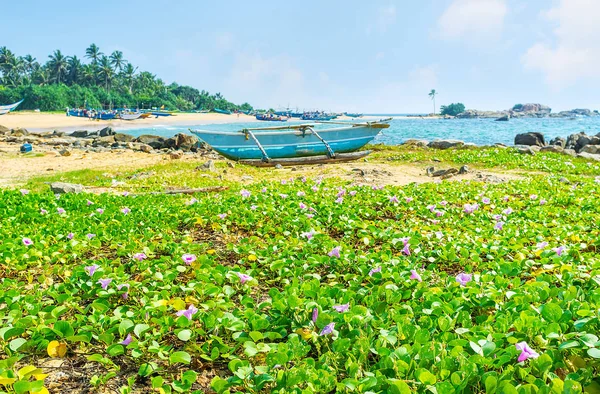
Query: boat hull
133	116
9	107
288	143
4	111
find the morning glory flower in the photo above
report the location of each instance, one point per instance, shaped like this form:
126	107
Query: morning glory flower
70	236
310	215
507	211
374	270
463	278
302	205
394	199
90	236
126	294
89	203
506	198
60	211
27	241
335	252
339	200
341	308
341	193
283	181
415	275
90	269
308	235
315	315
406	249
243	277
104	282
543	202
303	179
497	217
327	330
192	201
24	192
263	190
439	213
125	210
188	258
444	203
314	189
222	215
126	341
408	199
485	200
431	207
498	225
140	256
125	194
282	195
559	251
189	312
100	211
43	211
526	351
245	193
541	245
439	234
533	197
301	194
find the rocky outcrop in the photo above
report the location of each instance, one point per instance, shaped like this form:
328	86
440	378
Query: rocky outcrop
154	141
120	137
580	140
593	149
558	141
62	187
476	114
504	118
416	142
530	139
4	130
79	134
106	132
530	110
445	144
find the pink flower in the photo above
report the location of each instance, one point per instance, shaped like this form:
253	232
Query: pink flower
27	241
310	215
341	193
341	308
243	277
408	199
533	197
497	217
126	293
526	352
444	203
559	251
24	192
335	252
104	282
507	211
43	211
328	329
188	258
89	203
314	189
125	194
315	315
439	234
308	235
498	226
90	236
100	211
394	199
439	213
406	249
374	271
60	211
541	245
192	201
470	208
90	269
70	236
253	207
140	256
463	278
126	341
282	195
302	205
263	190
301	194
339	200
543	202
125	210
222	215
431	207
506	198
245	193
188	313
485	200
303	179
415	275
352	193
283	181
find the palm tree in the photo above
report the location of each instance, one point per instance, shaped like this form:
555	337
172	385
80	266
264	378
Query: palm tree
30	64
432	94
57	65
116	59
129	75
75	70
93	53
106	71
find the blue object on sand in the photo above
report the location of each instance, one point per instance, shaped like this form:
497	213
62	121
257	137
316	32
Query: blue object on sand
25	148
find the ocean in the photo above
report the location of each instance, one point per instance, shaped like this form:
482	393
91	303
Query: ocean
477	131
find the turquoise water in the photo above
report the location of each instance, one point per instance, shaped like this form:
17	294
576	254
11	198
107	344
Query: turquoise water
477	131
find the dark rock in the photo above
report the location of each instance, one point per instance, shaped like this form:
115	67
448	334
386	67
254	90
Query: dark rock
504	118
208	166
593	149
429	171
62	187
186	142
79	133
445	144
444	173
564	180
57	133
154	141
530	139
573	141
145	148
230	164
463	170
558	141
105	141
106	132
64	152
120	137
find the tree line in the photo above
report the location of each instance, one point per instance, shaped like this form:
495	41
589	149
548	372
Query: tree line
102	82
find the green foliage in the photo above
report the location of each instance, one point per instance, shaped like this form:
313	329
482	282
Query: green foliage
106	81
452	109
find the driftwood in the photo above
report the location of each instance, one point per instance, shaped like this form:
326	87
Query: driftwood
210	189
296	161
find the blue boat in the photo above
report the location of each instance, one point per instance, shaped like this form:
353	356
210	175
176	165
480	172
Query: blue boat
84	113
353	115
222	111
270	118
10	107
294	141
161	113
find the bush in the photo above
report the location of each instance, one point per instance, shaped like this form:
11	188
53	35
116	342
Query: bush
452	109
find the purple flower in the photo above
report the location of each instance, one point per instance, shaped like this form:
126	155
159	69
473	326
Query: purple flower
470	208
406	249
352	193
374	270
90	236
126	341
89	203
140	256
188	258
70	236
60	211
506	198
123	285
497	217
526	352
541	245
405	240
507	211
27	241
308	234
444	203
192	201
243	277
125	210
263	190
24	192
543	202
222	215
253	207
302	205
245	193
431	207
408	199
100	211
339	200
435	221
485	200
90	269
43	211
301	194
415	275
310	215
341	193
439	213
394	199
335	252
559	251
303	179
463	278
283	181
498	225
125	194
327	330
282	195
315	315
341	308
533	197
189	312
439	234
104	282
314	189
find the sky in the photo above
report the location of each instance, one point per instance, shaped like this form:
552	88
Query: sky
376	56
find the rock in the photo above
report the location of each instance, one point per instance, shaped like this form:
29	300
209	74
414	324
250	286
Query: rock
429	171
593	149
105	141
62	187
500	145
278	166
153	140
145	148
590	156
569	152
187	142
564	180
247	178
416	142
573	141
79	134
19	132
176	155
81	143
4	130
106	132
532	109
530	139
444	173
445	144
120	137
64	152
230	164
558	141
489	178
59	142
525	150
552	148
463	170
475	114
208	166
504	118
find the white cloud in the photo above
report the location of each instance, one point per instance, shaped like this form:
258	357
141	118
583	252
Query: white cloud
575	53
385	18
473	19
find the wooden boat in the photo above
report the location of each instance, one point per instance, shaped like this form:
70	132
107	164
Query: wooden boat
293	141
297	161
10	107
161	113
145	115
353	115
130	116
270	118
222	111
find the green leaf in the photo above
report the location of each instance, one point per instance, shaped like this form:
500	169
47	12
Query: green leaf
491	384
140	329
593	352
16	344
180	357
147	369
569	344
115	350
184	335
397	386
425	377
64	328
552	312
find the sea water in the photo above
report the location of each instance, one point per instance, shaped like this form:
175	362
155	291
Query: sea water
477	131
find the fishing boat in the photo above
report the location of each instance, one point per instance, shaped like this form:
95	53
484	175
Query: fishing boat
10	107
130	115
161	113
353	115
91	114
222	111
145	115
4	111
293	144
271	118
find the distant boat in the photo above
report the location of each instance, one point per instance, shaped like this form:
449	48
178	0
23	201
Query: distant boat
316	117
222	111
84	113
293	141
270	118
161	113
10	107
130	116
353	115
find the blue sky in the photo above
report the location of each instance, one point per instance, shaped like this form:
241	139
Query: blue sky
369	56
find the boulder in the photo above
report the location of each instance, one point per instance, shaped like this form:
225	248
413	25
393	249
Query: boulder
577	141
79	134
552	148
504	118
57	133
106	132
170	143
530	139
208	166
105	141
64	152
569	152
445	144
593	149
145	148
4	130
175	155
186	142
463	170
120	137
58	142
525	150
558	141
154	141
62	187
590	156
416	142
19	132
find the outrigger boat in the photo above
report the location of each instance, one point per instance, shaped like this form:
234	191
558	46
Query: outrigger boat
130	115
10	107
222	111
4	111
294	144
271	118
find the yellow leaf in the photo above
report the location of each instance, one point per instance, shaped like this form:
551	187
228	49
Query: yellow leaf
57	349
211	251
199	220
178	303
252	257
305	333
28	371
7	381
40	376
191	300
160	303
